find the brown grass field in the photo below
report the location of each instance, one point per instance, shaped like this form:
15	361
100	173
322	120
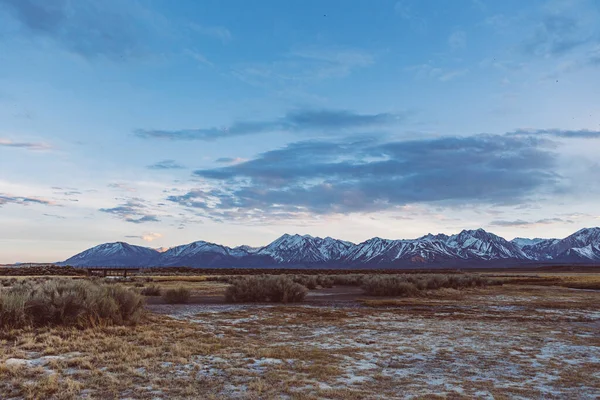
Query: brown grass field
536	336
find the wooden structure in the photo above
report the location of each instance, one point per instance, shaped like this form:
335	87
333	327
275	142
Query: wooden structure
112	271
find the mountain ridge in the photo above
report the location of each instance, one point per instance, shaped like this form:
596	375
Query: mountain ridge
466	247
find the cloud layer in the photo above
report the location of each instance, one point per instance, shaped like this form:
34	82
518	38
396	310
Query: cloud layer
337	177
330	121
133	210
24	145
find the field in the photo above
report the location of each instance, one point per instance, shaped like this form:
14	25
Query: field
535	336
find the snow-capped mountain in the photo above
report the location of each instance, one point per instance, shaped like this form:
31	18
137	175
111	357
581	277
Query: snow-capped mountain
522	242
114	255
199	253
481	245
469	246
290	249
584	244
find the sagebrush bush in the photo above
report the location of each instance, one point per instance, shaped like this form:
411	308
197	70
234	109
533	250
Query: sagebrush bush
266	288
388	285
348	280
178	295
325	281
78	303
417	284
152	290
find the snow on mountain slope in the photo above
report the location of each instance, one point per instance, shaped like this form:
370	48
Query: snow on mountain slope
468	245
114	255
304	249
553	248
522	242
482	245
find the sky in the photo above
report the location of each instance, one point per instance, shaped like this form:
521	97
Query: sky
160	123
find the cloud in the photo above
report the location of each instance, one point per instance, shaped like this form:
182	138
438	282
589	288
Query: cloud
230	160
520	222
457	40
24	145
304	66
560	133
122	186
55	216
330	121
442	74
9	199
556	35
133	210
324	177
147	237
406	9
218	32
166	164
109	28
199	57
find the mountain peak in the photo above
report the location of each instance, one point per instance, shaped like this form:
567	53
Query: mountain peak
467	246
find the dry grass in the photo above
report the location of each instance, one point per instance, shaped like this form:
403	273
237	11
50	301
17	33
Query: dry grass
67	302
510	341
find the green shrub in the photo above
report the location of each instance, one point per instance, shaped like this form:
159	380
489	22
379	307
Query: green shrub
68	302
178	295
152	290
266	288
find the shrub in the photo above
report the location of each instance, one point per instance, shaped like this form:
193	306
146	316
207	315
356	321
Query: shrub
310	281
348	280
152	290
67	302
417	284
276	289
325	281
388	285
178	295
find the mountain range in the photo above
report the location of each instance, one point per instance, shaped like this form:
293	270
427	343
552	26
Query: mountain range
467	248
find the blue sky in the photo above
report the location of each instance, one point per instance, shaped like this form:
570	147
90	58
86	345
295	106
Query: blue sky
160	123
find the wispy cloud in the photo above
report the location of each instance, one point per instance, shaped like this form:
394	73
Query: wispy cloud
442	74
407	10
303	66
230	160
560	133
133	210
330	121
166	164
457	40
9	199
218	32
147	237
558	34
522	223
55	216
24	145
122	186
110	29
